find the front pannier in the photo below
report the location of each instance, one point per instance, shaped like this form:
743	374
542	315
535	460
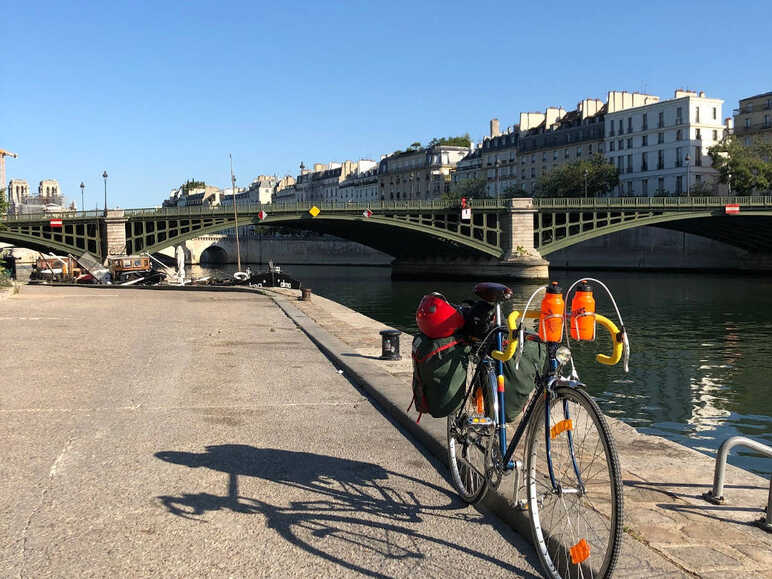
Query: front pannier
439	373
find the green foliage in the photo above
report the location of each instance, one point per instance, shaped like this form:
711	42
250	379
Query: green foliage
467	188
3	202
191	184
569	180
747	168
415	146
462	141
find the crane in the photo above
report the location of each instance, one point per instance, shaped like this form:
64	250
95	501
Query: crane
3	155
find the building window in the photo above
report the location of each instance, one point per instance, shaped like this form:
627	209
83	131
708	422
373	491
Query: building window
629	143
565	154
748	123
679	157
600	147
660	138
697	114
645	124
629	124
544	157
555	155
679	185
621	144
715	113
644	161
678	115
678	135
645	141
589	149
645	187
661	186
698	156
660	159
578	152
698	179
621	128
715	135
629	163
533	172
661	119
698	134
629	187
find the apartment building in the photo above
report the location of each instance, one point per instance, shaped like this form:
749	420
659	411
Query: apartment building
323	183
361	184
422	173
661	147
753	118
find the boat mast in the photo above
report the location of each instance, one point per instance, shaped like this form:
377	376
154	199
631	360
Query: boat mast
235	216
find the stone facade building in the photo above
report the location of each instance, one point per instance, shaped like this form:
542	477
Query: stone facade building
753	118
661	147
49	197
420	174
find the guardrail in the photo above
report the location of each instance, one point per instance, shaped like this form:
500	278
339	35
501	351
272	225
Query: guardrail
675	203
716	495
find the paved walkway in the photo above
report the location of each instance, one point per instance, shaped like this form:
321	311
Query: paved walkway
670	530
178	434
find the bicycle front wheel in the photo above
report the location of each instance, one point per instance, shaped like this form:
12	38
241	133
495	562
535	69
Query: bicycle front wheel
577	521
469	445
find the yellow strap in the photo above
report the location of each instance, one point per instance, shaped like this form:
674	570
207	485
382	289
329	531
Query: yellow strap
616	341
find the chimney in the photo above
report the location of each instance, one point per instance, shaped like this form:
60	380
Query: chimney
318	167
495	128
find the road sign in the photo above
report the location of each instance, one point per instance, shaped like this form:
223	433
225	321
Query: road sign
732	209
466	213
261	215
367	213
314	211
55	223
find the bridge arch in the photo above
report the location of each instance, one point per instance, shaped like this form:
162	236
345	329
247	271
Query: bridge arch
214	255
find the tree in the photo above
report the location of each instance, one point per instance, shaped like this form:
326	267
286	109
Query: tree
747	168
3	203
467	188
191	184
569	180
462	141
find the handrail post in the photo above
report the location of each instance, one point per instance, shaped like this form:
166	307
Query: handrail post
716	494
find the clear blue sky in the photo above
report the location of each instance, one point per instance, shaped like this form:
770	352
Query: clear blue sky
158	92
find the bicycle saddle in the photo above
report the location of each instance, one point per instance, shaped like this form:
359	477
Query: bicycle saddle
492	292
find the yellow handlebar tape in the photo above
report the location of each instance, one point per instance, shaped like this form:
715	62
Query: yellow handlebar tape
616	341
512	347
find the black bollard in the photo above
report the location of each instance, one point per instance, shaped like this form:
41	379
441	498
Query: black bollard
390	345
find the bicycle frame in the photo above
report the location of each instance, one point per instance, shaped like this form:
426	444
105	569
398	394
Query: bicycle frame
545	384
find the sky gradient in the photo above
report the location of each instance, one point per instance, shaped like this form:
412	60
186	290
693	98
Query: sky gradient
159	92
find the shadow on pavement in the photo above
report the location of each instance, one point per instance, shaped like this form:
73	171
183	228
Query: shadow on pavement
357	504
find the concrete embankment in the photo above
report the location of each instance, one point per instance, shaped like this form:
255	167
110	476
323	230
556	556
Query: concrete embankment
670	529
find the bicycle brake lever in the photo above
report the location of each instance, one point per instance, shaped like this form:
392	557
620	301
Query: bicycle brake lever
520	345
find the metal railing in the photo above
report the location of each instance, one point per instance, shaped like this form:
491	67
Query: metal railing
693	202
716	495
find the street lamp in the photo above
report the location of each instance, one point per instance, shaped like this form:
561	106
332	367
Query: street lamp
585	183
104	176
82	188
687	159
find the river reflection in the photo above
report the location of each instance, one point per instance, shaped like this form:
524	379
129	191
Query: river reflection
701	346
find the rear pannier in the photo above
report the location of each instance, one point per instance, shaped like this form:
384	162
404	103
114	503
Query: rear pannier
439	373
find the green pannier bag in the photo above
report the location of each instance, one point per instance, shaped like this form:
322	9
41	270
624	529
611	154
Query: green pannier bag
518	384
439	373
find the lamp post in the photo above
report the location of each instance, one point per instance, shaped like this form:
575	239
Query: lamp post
585	183
104	176
82	188
686	160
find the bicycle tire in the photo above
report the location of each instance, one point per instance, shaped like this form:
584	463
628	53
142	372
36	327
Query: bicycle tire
576	533
469	447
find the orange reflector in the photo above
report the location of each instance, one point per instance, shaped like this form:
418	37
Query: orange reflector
500	380
561	426
580	552
478	395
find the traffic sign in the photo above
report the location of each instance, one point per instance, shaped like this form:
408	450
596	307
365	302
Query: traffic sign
367	213
314	211
261	215
55	223
732	209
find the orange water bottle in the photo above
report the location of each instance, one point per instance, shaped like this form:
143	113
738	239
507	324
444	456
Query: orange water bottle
551	318
583	313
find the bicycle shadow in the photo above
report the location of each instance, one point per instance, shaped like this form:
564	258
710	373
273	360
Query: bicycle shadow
357	505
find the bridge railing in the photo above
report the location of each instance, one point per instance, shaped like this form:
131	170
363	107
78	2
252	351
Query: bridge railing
52	215
671	203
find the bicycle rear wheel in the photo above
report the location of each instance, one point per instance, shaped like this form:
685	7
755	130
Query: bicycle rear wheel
577	523
469	445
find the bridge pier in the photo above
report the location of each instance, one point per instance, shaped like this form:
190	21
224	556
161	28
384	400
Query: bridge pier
520	259
115	233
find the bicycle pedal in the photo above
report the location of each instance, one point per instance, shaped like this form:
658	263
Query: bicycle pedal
479	421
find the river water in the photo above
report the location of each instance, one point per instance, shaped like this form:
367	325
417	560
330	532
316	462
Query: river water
701	345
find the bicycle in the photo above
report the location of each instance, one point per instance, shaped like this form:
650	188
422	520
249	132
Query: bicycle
574	488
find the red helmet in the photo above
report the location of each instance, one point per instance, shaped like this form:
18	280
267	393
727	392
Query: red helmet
437	318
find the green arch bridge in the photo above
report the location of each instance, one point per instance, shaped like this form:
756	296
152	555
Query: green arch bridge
508	232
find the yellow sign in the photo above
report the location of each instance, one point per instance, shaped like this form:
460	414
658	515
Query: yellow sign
314	211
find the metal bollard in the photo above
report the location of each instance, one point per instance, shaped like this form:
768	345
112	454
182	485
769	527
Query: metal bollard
306	294
390	345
